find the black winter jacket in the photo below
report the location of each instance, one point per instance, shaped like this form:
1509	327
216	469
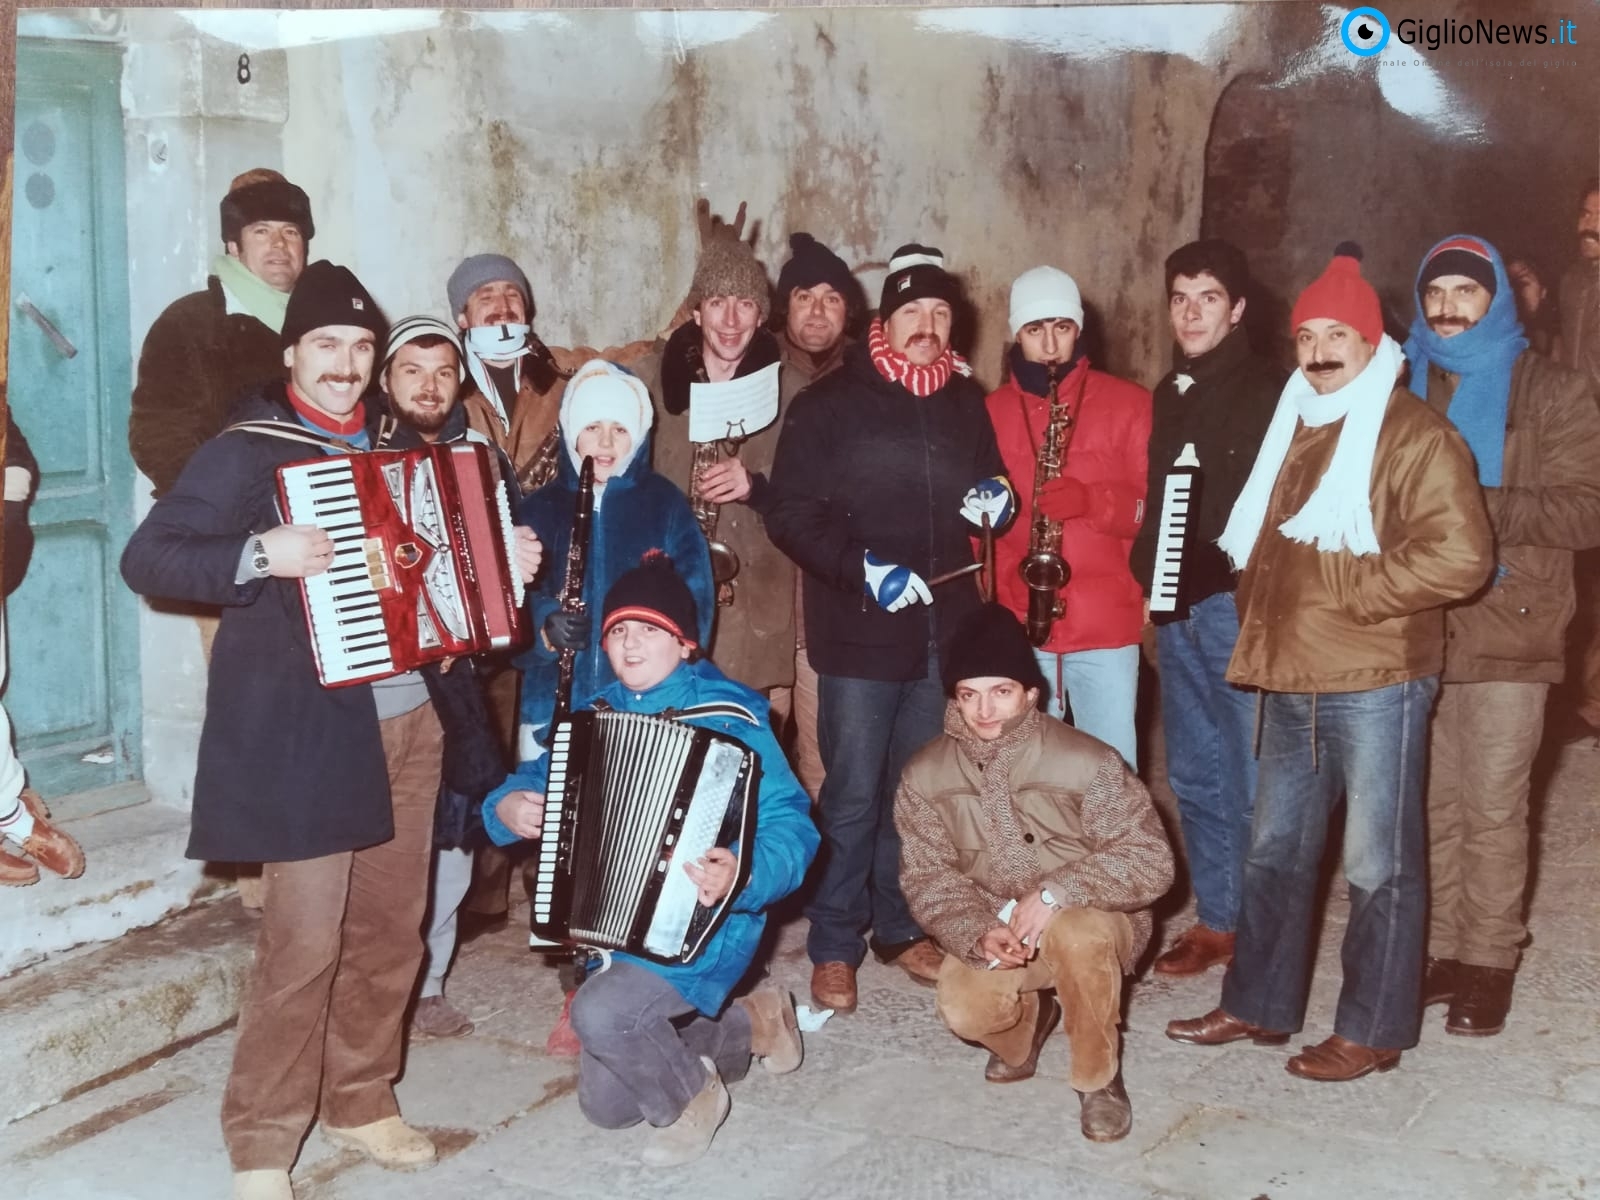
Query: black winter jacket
862	464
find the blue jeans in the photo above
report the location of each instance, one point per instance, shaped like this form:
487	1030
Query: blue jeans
867	729
1372	749
1102	687
1209	731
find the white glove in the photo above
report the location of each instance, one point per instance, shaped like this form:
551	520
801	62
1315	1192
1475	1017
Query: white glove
894	587
991	497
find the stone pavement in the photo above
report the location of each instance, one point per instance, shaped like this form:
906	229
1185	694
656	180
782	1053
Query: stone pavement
889	1105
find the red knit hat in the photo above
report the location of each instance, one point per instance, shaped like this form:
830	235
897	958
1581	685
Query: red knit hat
1341	294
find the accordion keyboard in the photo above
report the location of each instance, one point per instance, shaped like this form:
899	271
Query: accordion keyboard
346	613
1176	503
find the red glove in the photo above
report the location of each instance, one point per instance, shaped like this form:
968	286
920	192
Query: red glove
1063	498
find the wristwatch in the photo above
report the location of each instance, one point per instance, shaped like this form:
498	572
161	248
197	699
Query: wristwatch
1049	898
259	562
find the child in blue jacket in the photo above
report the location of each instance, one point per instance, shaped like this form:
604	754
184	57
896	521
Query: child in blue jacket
658	1039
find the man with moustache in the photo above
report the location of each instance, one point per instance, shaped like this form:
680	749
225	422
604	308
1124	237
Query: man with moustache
884	468
1361	517
1090	655
1218	397
208	346
1534	431
331	789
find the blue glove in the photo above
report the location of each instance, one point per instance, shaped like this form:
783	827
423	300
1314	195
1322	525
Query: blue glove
894	587
992	496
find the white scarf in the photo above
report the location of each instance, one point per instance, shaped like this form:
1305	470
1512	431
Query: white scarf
496	342
1338	513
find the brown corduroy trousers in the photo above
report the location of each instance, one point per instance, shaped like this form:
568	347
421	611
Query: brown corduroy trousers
321	1026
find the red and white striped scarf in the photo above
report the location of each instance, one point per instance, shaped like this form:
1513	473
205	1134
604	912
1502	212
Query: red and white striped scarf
897	368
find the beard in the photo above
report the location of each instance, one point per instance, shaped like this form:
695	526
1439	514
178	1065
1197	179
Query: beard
422	420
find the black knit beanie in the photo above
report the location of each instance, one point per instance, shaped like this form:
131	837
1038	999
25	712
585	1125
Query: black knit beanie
1460	256
326	294
654	592
811	263
990	642
916	272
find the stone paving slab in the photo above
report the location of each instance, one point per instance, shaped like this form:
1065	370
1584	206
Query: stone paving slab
1561	1136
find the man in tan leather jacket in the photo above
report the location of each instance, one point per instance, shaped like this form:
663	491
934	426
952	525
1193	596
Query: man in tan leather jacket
1032	855
1361	518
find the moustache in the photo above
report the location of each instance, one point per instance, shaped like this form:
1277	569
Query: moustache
1589	235
1322	366
332	378
1450	323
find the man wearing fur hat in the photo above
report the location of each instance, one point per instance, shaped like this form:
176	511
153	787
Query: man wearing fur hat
512	389
884	468
1090	654
1534	432
1361	518
658	1041
343	823
752	638
210	345
1032	854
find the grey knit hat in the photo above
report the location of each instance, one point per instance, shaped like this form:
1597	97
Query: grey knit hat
480	269
729	268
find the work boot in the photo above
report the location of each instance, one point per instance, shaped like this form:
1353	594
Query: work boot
689	1137
390	1143
833	985
1439	981
55	851
262	1185
774	1031
436	1017
1482	999
1199	949
14	871
918	958
1106	1115
997	1070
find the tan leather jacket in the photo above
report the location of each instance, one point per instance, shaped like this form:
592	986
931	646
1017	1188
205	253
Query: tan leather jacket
1547	506
1315	622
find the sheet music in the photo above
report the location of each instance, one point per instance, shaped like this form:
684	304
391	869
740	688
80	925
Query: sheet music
734	409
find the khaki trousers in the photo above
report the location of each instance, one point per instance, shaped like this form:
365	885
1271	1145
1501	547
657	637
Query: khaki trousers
320	1029
807	753
1480	757
1080	955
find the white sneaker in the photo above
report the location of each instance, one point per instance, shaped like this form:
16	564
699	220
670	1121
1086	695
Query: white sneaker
262	1185
390	1143
689	1137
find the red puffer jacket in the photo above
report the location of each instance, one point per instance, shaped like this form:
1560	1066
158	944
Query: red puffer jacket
1108	453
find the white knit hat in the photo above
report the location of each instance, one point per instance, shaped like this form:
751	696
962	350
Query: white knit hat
1041	294
603	391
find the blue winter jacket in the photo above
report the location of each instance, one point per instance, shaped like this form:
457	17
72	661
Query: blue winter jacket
638	511
786	839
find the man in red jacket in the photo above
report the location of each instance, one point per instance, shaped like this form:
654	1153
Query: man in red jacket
1090	653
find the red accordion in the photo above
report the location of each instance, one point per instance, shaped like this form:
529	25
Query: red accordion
424	566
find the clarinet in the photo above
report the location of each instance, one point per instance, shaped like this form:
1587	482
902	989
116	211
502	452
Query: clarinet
572	586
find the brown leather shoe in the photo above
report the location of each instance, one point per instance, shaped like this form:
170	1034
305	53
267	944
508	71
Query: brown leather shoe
921	960
1339	1060
997	1071
1482	999
1106	1115
55	851
1439	981
1197	950
774	1031
1217	1028
16	872
833	985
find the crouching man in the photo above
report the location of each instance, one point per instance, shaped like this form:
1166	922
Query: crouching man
1013	805
658	1041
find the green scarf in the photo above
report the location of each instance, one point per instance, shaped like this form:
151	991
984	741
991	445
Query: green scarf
260	299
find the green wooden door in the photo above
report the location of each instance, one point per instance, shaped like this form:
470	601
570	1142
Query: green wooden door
73	692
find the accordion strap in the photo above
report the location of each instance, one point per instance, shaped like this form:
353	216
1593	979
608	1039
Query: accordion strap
292	433
722	708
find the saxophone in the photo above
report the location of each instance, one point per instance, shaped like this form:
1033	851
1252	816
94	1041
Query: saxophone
1044	570
724	562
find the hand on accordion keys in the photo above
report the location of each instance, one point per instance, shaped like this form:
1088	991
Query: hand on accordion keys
297	551
529	551
712	874
522	813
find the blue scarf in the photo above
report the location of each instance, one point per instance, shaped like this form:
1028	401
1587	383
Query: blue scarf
1483	357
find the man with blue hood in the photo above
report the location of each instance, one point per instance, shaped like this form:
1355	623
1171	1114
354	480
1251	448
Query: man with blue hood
1534	431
